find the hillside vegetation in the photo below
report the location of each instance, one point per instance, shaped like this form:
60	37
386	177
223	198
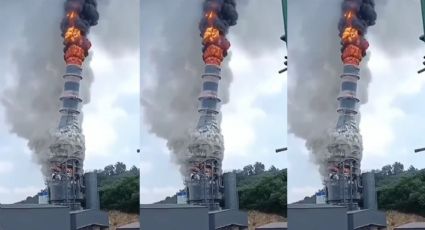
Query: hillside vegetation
119	188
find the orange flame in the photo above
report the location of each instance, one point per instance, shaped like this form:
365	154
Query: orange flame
72	35
213	41
351	38
211	35
76	48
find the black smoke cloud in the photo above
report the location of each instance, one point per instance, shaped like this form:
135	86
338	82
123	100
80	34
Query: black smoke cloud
365	11
87	12
226	12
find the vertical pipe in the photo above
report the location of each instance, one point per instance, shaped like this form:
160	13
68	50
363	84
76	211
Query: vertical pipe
285	18
423	13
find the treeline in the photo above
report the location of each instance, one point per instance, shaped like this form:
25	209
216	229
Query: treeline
401	189
119	188
262	190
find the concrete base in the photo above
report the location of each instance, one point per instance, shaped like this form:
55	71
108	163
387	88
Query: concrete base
183	217
42	217
325	217
224	219
89	218
34	217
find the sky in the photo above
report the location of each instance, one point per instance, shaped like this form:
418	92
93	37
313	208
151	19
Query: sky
391	119
253	119
111	119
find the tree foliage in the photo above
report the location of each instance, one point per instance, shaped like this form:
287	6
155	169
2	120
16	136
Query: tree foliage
119	188
262	190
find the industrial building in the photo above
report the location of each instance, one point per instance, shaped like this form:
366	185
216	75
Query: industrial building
42	217
185	216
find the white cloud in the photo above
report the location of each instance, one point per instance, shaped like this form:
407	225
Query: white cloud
250	86
15	194
298	193
380	114
145	167
6	167
114	78
155	194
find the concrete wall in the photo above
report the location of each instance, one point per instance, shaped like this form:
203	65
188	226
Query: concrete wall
175	217
34	217
317	217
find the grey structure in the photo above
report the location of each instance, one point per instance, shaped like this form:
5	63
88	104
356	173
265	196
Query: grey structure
345	148
274	226
88	219
34	217
231	199
67	150
43	217
369	191
91	191
205	150
366	219
317	217
325	217
412	226
228	218
176	217
184	217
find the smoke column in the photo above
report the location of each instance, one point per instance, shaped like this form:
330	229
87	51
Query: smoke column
205	150
177	66
311	115
345	145
31	104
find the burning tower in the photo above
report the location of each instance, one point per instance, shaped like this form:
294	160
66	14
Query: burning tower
65	185
205	150
343	185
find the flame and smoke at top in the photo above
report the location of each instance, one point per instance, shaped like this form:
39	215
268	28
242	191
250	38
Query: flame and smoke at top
80	15
219	15
357	16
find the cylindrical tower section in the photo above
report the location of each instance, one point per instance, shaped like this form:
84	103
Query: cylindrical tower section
209	100
204	176
347	98
70	98
345	148
67	149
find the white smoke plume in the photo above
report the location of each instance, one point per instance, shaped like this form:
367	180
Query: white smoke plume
170	96
31	102
314	70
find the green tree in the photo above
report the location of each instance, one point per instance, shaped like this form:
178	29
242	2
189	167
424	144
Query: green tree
398	168
120	168
109	170
248	170
258	168
122	196
387	170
